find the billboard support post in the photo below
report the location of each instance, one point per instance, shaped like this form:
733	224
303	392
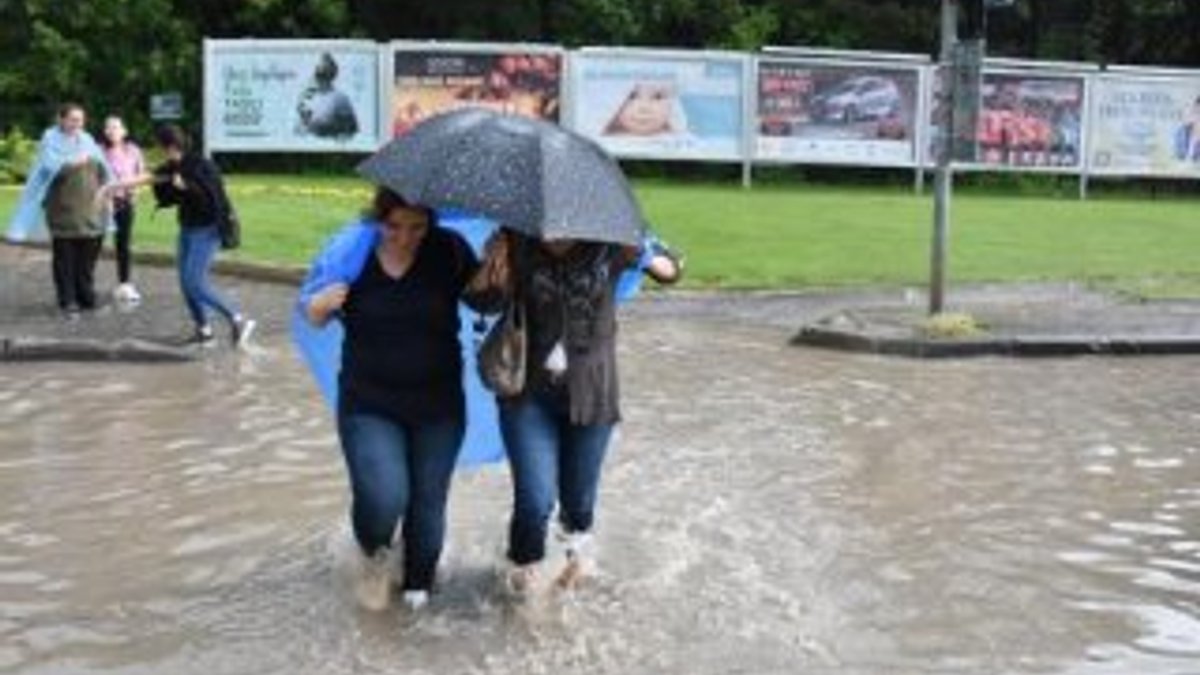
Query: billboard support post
944	181
749	119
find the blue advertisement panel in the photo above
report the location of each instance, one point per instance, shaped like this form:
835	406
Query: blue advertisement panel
292	96
661	106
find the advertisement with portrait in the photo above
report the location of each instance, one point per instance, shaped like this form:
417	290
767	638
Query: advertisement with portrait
837	113
1146	126
1025	120
433	80
291	95
659	105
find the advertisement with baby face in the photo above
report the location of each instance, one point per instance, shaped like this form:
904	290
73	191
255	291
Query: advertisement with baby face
660	106
292	96
830	113
1146	126
429	81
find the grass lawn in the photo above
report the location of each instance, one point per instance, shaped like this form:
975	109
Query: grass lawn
801	236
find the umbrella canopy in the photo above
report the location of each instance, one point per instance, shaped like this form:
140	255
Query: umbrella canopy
529	175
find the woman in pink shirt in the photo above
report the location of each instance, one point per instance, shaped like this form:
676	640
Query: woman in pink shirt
125	160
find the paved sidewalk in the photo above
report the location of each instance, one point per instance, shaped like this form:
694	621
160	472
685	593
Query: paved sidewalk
1044	319
1016	320
32	328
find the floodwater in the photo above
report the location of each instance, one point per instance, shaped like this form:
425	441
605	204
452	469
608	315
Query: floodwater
767	509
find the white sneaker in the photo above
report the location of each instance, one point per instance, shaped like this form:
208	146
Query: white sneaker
373	583
416	600
127	294
243	328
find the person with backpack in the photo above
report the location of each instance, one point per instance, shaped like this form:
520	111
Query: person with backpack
207	222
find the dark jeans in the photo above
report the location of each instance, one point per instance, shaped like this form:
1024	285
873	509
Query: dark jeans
197	248
123	216
74	266
400	471
550	458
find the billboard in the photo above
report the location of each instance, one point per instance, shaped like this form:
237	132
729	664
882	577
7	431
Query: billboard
288	95
429	80
1146	126
661	105
1026	120
837	113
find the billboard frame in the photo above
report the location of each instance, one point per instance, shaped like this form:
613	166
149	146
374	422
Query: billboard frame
388	68
212	46
910	65
570	120
990	68
1127	74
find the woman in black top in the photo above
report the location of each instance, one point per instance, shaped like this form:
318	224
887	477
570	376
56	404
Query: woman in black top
557	430
401	410
194	184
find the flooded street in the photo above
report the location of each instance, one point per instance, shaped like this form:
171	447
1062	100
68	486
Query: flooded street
767	509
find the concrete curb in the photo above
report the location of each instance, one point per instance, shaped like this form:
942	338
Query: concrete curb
1013	346
21	348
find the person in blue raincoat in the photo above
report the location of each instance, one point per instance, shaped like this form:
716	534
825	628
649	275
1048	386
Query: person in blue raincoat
61	196
393	281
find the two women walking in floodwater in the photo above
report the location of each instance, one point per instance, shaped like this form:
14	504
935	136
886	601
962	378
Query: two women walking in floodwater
393	282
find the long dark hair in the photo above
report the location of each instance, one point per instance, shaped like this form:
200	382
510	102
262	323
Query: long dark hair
385	201
171	136
104	140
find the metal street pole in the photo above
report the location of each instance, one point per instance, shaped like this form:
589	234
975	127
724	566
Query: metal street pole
944	180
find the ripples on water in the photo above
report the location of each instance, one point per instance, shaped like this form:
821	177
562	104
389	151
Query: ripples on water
767	510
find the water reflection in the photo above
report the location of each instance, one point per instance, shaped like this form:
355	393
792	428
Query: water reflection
767	510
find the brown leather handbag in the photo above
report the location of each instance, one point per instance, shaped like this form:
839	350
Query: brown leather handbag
503	352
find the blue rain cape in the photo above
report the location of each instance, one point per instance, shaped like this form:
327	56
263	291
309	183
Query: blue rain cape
54	151
343	259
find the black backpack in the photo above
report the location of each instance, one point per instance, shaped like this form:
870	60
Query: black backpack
208	178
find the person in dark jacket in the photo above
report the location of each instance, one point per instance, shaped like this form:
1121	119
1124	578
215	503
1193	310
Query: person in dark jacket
557	429
193	183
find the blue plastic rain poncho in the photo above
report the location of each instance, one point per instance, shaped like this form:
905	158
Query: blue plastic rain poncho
343	260
55	150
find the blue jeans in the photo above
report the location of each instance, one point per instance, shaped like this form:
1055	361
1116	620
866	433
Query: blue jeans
400	471
197	248
551	460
